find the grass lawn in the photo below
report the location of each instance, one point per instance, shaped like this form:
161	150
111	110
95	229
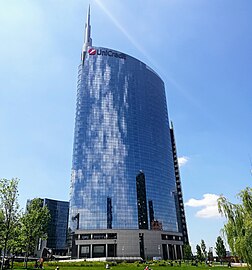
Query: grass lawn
121	266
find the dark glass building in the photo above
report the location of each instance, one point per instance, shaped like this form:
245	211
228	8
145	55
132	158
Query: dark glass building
56	242
57	227
123	177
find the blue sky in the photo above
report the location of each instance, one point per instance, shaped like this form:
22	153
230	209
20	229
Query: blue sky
201	49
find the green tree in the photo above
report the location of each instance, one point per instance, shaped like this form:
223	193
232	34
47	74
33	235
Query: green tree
34	225
1	226
9	213
203	248
199	253
187	250
238	229
220	248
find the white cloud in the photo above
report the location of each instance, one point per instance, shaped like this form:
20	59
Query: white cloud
182	161
208	199
208	204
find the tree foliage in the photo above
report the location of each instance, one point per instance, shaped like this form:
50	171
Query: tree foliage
199	253
238	229
203	248
220	248
34	224
1	228
9	213
187	250
20	232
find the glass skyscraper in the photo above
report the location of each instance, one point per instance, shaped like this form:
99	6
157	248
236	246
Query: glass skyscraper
123	175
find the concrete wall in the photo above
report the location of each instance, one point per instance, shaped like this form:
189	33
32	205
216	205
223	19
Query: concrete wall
127	243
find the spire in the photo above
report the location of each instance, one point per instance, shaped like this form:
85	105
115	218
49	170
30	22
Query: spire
87	39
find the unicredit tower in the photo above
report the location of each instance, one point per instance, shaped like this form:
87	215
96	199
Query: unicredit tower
125	198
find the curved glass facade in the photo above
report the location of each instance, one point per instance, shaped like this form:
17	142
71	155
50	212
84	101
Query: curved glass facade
122	172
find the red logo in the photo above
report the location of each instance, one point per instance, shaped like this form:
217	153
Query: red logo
91	51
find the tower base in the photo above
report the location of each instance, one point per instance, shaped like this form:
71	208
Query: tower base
123	244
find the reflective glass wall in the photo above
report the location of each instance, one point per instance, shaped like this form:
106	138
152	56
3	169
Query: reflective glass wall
57	227
121	130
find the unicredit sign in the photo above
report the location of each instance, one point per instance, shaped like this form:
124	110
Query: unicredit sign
106	53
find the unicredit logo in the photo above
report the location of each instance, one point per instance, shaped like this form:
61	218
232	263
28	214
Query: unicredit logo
91	51
106	53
